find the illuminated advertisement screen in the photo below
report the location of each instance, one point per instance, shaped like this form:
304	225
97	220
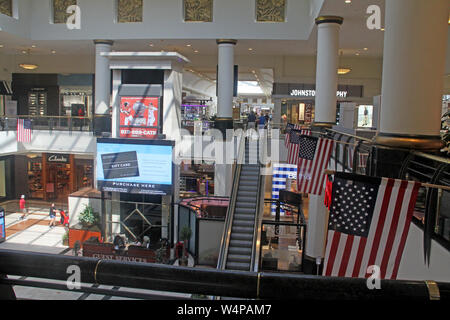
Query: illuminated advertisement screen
2	225
139	117
135	166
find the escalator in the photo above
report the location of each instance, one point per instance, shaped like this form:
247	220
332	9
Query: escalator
242	225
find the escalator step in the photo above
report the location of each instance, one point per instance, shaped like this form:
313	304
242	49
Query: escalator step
238	258
242	210
239	250
239	229
238	266
246	204
241	243
243	223
246	217
242	236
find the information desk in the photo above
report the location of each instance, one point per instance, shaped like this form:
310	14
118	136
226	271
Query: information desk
132	253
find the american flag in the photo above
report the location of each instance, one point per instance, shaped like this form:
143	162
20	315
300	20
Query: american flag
293	146
368	225
289	127
314	155
23	130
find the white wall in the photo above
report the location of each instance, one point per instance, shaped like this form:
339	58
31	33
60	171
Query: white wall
163	20
45	141
412	265
77	205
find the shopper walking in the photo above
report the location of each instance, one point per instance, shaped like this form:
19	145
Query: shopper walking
22	206
52	215
251	120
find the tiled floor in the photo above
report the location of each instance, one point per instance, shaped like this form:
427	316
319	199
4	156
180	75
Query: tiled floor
33	234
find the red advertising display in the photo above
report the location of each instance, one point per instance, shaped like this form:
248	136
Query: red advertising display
139	117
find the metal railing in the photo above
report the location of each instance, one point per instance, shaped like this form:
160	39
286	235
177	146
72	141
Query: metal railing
159	277
58	123
432	203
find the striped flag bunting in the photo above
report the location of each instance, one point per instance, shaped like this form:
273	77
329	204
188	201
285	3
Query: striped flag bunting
314	155
368	225
23	130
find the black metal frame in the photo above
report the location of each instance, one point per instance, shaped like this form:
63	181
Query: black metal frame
250	285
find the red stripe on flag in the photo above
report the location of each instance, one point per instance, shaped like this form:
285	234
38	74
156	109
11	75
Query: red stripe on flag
401	246
333	251
359	257
393	228
382	218
318	161
346	256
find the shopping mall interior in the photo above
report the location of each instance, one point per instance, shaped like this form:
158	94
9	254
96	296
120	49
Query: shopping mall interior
212	138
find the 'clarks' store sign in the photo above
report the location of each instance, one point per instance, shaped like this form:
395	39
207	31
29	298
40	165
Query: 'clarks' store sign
56	157
309	90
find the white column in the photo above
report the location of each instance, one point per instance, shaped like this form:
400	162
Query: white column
225	78
415	44
327	65
115	103
317	227
102	77
325	115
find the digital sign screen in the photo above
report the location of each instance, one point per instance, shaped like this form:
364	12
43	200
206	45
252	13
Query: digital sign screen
139	117
135	166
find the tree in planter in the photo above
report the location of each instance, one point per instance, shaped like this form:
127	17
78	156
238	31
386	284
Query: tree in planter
88	217
185	235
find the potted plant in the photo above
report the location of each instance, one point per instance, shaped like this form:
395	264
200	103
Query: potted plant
65	238
88	217
185	235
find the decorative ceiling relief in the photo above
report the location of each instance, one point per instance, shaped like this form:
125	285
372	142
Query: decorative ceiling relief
271	10
129	11
198	10
6	7
60	14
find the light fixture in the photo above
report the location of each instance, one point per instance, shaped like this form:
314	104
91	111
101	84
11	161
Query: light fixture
33	46
151	44
28	66
1	46
344	70
348	1
250	49
196	51
188	45
365	49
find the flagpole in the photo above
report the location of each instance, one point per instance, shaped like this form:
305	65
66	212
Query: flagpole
428	185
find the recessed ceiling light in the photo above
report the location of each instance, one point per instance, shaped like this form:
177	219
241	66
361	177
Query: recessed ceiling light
1	46
357	53
365	49
382	29
250	49
196	51
344	70
33	46
53	51
28	66
348	1
189	45
24	52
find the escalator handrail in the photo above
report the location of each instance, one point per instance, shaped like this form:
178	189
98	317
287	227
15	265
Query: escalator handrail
221	263
254	264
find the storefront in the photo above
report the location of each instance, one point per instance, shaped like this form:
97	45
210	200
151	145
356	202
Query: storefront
195	117
297	101
196	179
51	176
